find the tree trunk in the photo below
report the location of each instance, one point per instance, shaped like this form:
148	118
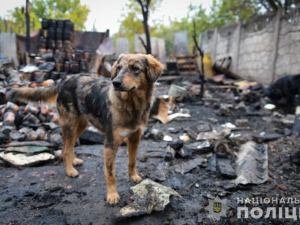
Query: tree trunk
145	13
148	40
27	17
27	27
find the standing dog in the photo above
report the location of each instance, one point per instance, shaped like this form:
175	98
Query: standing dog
120	110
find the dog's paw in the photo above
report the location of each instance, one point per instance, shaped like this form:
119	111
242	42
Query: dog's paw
135	178
77	162
113	198
72	172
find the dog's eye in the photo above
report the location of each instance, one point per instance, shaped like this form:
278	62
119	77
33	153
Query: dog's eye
118	68
135	68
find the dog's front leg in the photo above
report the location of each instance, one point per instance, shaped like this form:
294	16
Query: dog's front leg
133	144
110	175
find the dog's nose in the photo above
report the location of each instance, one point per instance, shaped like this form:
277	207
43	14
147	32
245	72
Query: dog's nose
117	83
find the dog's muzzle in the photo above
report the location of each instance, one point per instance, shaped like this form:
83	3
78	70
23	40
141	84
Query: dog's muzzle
117	83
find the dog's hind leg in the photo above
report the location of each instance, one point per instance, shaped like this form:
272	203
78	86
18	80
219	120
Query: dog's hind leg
82	124
133	144
71	129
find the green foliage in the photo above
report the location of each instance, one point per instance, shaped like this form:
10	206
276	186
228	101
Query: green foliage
19	22
220	13
5	25
131	20
203	21
135	24
62	9
223	12
50	9
15	22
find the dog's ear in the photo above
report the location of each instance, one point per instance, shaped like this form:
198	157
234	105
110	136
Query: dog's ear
114	66
103	59
114	70
155	68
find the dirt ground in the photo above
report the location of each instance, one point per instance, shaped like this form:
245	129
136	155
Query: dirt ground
45	195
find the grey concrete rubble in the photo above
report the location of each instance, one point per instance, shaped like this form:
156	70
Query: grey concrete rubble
28	150
89	137
296	127
225	168
224	110
200	146
20	160
242	123
263	137
186	167
252	164
148	196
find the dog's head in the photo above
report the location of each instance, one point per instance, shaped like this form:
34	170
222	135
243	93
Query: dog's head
133	71
273	95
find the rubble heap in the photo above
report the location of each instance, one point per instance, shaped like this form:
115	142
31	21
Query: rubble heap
56	57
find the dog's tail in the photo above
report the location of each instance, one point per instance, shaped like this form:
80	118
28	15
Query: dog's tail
44	94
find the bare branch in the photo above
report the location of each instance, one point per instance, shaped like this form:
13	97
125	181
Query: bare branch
264	5
201	74
278	3
148	3
197	46
141	4
286	3
144	44
195	39
273	5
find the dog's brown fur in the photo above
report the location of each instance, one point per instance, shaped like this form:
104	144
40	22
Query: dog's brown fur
120	110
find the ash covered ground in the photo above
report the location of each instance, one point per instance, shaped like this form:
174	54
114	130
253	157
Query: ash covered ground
45	195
